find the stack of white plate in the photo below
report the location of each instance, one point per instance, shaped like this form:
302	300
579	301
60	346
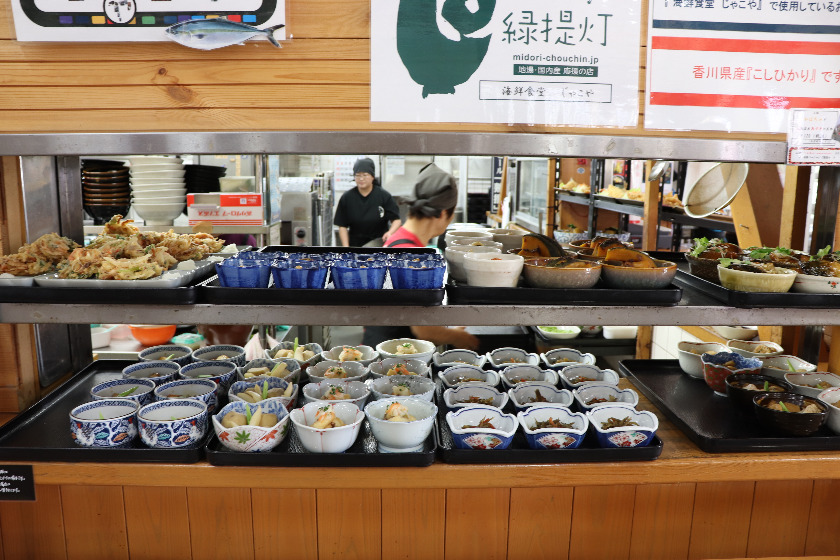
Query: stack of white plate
157	188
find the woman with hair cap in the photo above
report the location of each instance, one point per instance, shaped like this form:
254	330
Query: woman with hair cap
432	205
366	214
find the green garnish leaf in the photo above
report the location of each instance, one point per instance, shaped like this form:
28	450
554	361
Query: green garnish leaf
766	385
821	253
782	404
790	366
700	245
296	346
173	418
761	253
248	413
265	390
101	417
205	375
726	262
128	392
783	251
275	368
169	357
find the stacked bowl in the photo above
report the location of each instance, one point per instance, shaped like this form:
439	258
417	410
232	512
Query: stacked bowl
157	188
203	178
105	189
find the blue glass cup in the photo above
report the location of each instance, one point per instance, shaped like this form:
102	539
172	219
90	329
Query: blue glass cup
417	275
353	275
238	273
292	274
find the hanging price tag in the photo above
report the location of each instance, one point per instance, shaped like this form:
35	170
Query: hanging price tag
814	137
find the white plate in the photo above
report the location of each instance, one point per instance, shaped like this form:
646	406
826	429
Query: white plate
20	281
171	279
157	167
171	174
152	160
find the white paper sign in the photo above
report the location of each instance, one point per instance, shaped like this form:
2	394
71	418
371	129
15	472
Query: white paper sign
574	62
740	65
395	165
812	137
132	20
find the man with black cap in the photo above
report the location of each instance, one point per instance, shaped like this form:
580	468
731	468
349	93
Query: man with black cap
366	214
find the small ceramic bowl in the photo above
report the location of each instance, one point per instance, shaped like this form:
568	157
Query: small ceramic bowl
778	366
736	332
235	354
356	371
715	373
689	355
794	423
158	429
831	397
577	375
524	396
153	335
743	398
330	440
312	347
553	438
779	281
504	357
223	373
591	330
455	258
104	423
623	236
414	367
493	271
157	372
252	438
474	243
411	275
258	383
292	372
143	393
551	359
368	354
802	383
455	376
358	392
420	387
498	437
390	348
509	238
459	397
401	437
567	237
355	275
451	358
629	436
202	390
748	348
572	332
514	375
241	273
538	275
181	355
808	284
628	278
471	235
586	393
703	268
295	275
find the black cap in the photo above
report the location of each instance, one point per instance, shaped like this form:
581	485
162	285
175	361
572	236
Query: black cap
364	165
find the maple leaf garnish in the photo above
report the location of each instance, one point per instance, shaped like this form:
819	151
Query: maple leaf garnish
242	437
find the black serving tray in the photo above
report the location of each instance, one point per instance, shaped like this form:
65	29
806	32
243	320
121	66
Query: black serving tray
459	293
710	420
519	452
42	432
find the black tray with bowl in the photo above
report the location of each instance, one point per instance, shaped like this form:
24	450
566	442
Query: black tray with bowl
213	292
42	432
520	453
709	420
462	294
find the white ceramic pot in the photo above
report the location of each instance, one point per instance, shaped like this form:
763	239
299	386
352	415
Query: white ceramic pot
455	258
493	271
509	238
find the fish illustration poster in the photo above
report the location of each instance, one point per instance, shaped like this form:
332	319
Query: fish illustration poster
553	62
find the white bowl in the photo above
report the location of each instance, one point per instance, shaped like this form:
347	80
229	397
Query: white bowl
799	380
168	174
509	238
736	333
331	440
152	160
452	358
401	437
368	354
414	367
473	235
157	167
560	336
421	388
500	358
237	184
620	332
779	281
493	271
781	365
808	284
572	372
159	214
159	193
590	391
454	255
358	391
182	199
452	397
450	376
388	349
831	397
356	371
549	358
512	375
150	184
690	362
747	348
474	243
100	337
523	394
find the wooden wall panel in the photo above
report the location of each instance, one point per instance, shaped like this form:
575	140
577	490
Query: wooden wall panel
779	521
824	520
422	537
355	529
465	510
721	522
662	521
540	523
285	524
34	530
220	523
597	507
94	522
157	520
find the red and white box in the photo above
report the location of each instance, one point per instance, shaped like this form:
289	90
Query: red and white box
226	209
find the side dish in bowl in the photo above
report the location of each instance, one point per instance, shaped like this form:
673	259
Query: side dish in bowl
553	428
742	387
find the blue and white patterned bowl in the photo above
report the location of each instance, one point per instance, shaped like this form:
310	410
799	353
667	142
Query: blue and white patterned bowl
359	275
623	236
159	430
164	371
253	439
553	438
452	397
356	371
416	367
589	391
143	394
421	388
330	440
451	375
549	358
501	358
411	275
297	275
273	383
312	347
569	374
293	372
358	391
521	396
220	372
514	375
203	390
401	437
116	428
244	273
481	438
452	358
630	436
182	354
235	354
568	237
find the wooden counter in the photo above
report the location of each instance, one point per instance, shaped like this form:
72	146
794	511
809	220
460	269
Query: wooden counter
686	504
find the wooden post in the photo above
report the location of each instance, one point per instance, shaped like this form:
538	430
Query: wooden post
650	227
644	340
550	214
746	226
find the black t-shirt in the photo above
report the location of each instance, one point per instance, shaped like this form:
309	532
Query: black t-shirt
367	217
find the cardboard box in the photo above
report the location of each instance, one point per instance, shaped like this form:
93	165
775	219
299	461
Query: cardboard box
226	209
